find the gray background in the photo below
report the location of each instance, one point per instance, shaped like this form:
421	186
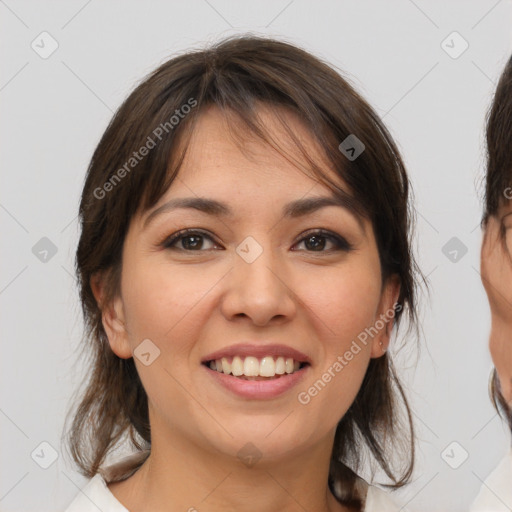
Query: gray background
54	111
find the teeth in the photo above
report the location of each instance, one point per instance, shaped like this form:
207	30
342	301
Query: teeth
237	366
251	366
280	366
226	367
267	367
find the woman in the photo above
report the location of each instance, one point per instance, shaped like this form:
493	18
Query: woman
496	272
243	258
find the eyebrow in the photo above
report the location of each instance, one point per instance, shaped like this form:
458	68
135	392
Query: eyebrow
294	209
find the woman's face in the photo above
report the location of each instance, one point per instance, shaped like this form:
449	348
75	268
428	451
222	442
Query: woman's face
250	280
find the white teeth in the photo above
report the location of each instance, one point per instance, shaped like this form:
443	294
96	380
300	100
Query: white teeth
251	366
237	366
226	367
280	366
267	367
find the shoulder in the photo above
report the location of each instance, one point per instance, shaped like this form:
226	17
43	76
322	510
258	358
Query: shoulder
496	492
378	500
373	499
95	496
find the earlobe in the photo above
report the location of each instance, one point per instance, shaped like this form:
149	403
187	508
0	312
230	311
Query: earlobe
113	319
115	328
385	317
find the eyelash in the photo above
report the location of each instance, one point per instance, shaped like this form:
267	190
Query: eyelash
340	242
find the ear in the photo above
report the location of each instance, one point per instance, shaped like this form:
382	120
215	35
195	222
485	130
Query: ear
385	317
112	317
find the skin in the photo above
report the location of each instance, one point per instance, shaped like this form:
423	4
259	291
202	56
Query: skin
496	272
193	303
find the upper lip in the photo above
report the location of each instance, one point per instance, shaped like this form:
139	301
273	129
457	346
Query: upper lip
257	350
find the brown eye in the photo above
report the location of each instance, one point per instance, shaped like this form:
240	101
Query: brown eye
316	242
190	240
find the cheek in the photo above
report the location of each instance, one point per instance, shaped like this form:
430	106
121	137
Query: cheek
158	300
343	306
501	352
344	303
166	307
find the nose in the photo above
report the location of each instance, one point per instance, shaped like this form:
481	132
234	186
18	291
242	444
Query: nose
260	290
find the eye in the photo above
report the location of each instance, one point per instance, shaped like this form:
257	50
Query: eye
194	240
190	239
315	241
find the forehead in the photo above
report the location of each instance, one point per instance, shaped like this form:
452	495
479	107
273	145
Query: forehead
222	147
227	171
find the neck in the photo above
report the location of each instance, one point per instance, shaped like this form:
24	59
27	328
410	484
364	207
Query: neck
182	476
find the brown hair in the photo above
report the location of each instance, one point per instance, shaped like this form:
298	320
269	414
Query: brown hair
497	182
497	398
499	141
236	76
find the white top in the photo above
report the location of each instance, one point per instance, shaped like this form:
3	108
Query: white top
97	496
496	492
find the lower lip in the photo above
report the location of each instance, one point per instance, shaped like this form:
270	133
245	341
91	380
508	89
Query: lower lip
258	389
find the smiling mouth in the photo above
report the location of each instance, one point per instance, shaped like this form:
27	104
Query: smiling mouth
252	368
